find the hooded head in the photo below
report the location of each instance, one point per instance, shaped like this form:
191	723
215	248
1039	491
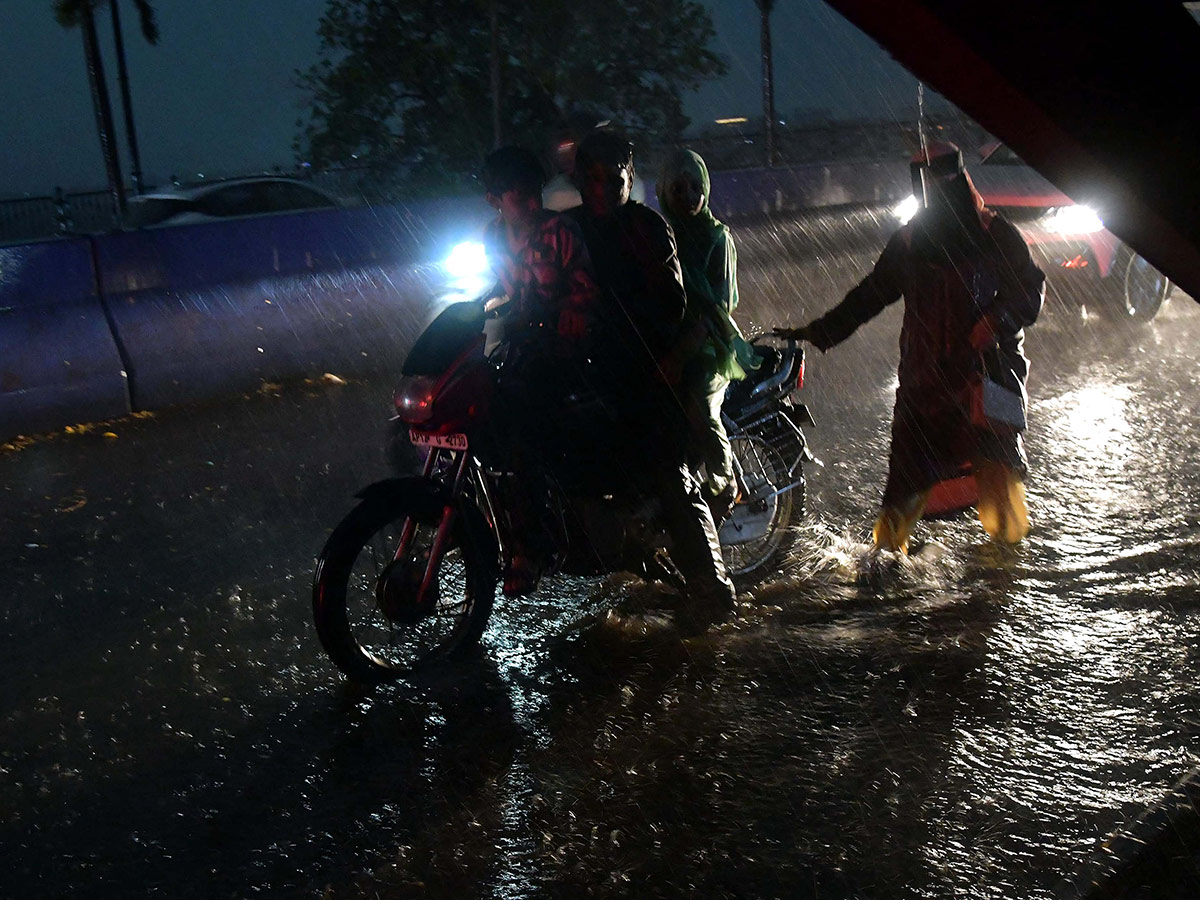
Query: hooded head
683	193
683	186
951	214
683	189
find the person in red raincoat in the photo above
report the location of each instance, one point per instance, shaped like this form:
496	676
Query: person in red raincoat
969	288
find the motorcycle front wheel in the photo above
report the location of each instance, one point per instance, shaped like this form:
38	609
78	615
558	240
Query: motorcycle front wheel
760	530
365	598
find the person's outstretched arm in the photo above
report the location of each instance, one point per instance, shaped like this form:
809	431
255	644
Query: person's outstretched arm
866	300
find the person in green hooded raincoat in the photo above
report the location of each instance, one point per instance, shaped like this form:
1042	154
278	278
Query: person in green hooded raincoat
713	352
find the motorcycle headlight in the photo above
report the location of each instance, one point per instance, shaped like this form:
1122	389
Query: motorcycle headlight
414	398
1073	220
469	272
467	260
906	209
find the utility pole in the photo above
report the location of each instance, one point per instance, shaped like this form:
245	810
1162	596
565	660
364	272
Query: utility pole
494	24
103	109
768	78
135	158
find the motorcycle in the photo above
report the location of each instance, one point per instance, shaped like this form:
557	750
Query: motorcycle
409	576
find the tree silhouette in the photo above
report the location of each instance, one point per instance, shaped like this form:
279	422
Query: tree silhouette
413	87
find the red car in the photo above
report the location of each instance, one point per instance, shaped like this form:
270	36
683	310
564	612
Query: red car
1086	265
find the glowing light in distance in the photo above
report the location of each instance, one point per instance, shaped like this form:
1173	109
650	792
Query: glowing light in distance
736	120
1073	220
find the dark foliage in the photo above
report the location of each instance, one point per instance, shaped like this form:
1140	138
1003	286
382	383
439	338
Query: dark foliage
403	86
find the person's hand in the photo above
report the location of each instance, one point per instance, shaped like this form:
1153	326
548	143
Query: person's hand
793	334
572	324
983	335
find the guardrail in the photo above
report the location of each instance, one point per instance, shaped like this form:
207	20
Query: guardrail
748	192
36	218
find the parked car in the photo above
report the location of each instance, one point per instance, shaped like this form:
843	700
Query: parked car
225	199
1086	264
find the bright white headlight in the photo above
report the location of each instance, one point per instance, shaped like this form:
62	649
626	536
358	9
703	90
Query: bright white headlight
1073	220
906	209
467	260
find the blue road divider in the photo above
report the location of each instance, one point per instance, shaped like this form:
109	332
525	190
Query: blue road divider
94	328
59	360
748	193
215	308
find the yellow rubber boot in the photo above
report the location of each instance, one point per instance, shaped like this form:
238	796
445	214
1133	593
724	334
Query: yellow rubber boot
1002	509
895	523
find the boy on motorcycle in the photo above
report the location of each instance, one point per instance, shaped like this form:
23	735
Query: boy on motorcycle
639	325
543	268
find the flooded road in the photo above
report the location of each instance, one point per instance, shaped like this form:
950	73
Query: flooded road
972	722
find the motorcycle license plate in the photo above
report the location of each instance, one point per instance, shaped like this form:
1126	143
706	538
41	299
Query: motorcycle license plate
444	441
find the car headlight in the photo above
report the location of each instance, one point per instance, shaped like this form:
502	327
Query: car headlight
906	209
1073	220
467	260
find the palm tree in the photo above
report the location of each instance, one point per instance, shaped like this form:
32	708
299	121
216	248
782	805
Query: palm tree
768	77
149	29
81	13
494	72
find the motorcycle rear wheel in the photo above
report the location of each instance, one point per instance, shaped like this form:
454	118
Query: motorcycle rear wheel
364	601
760	531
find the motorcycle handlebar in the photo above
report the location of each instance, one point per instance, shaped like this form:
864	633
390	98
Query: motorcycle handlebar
792	343
792	352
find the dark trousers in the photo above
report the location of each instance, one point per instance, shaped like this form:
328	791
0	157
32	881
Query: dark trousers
695	547
657	436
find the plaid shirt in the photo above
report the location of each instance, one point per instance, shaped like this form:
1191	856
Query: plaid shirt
549	273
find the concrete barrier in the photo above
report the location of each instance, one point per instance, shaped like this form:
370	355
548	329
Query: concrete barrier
59	360
214	308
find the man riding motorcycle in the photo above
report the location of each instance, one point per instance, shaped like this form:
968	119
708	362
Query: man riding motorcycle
639	321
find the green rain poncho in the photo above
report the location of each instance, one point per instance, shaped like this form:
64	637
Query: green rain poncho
709	262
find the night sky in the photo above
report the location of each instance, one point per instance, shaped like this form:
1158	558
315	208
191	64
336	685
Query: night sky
217	95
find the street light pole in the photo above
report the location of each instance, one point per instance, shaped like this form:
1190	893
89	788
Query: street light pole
768	77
